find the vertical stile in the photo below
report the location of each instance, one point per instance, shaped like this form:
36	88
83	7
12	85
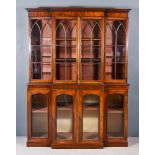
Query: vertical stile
79	49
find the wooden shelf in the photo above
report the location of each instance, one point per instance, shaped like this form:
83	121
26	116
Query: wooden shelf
114	56
88	39
36	62
68	135
115	134
65	59
46	38
41	45
46	63
68	39
65	108
64	135
90	59
115	45
39	135
40	110
95	108
110	63
114	111
65	46
45	72
90	135
46	55
89	46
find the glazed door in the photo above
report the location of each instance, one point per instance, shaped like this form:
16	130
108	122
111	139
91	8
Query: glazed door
64	117
91	50
116	116
41	46
65	53
91	117
39	117
116	50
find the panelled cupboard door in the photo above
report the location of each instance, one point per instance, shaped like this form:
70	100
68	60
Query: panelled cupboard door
116	116
90	109
38	117
64	112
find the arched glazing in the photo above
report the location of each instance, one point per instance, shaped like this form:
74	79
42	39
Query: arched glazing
115	49
115	115
41	41
90	106
66	46
91	33
39	104
64	104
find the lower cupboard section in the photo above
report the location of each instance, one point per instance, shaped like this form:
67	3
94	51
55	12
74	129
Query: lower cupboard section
77	118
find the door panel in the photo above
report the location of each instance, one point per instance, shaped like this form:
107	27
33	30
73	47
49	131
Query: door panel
115	50
90	116
66	50
64	116
91	50
39	115
64	104
115	115
90	106
90	54
41	45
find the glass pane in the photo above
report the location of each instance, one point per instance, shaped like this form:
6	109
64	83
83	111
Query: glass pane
66	71
90	50
121	32
46	33
46	49
115	49
36	54
120	70
115	70
36	69
90	117
115	115
39	115
64	105
46	70
119	56
36	27
91	70
66	46
115	32
70	50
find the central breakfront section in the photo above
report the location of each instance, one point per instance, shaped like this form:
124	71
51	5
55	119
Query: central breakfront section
77	90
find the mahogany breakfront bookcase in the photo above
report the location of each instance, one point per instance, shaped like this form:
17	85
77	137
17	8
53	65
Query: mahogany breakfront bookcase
78	90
